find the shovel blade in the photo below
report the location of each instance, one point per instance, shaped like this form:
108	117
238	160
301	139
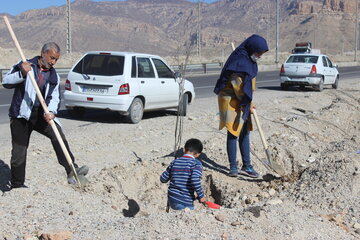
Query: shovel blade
83	180
274	165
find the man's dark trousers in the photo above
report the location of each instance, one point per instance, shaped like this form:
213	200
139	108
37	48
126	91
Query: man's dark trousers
21	130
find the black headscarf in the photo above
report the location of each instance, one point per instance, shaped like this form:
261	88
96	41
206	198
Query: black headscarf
240	62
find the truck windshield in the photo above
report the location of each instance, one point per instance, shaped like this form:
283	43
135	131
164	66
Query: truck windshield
97	64
302	59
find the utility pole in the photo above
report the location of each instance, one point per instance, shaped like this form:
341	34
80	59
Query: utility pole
356	29
198	30
277	32
314	33
68	39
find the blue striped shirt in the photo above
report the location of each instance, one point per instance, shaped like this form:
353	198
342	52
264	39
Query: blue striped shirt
184	174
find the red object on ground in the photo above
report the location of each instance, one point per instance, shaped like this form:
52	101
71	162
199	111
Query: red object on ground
212	205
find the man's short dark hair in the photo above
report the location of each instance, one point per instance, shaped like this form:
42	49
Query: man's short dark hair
50	45
194	145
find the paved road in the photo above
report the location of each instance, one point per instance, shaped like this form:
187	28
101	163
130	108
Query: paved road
203	84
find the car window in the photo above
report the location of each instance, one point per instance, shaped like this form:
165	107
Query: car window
302	59
98	64
162	70
324	61
145	69
330	63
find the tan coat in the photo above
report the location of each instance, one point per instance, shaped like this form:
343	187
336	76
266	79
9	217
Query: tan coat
229	100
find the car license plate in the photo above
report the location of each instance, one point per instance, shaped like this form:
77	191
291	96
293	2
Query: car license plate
298	79
87	89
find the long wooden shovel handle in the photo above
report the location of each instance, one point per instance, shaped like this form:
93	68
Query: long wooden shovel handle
257	122
42	101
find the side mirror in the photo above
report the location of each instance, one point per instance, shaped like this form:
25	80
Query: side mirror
335	65
177	75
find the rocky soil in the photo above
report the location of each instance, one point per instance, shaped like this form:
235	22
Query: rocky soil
314	136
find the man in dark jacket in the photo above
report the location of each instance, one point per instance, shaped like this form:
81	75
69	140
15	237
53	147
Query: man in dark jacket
26	113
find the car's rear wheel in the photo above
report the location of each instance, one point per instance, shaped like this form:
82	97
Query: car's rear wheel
284	86
302	87
320	86
336	83
76	112
184	104
136	111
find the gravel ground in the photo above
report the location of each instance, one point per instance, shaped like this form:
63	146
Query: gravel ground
314	136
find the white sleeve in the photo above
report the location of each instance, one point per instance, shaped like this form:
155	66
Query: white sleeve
12	78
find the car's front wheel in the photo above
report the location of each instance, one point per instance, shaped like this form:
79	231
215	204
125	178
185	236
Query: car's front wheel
136	111
336	83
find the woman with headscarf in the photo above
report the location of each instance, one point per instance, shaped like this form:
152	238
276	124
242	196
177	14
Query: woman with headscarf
235	92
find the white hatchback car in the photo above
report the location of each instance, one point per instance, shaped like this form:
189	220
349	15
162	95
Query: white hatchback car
306	69
129	83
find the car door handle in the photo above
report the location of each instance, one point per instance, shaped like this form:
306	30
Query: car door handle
162	81
142	82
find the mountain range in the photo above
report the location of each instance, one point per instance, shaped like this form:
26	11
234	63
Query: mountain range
169	27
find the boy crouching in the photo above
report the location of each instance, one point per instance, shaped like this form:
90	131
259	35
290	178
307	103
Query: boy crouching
185	174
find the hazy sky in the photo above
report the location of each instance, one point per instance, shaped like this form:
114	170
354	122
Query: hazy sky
15	7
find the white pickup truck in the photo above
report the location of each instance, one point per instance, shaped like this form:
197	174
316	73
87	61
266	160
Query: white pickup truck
306	69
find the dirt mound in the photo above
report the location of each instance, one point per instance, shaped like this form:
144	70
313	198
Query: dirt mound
313	136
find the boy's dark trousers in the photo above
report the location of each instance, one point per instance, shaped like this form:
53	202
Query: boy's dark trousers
21	130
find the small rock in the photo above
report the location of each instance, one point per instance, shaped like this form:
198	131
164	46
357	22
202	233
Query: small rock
236	223
71	213
114	207
225	236
311	159
275	201
357	226
264	195
220	217
272	192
